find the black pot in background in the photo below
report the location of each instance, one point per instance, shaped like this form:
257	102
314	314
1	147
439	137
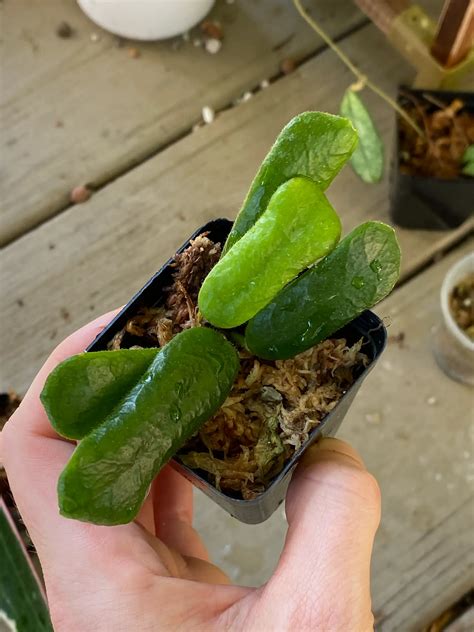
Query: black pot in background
428	202
367	326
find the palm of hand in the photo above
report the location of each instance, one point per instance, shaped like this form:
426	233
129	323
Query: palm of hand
154	574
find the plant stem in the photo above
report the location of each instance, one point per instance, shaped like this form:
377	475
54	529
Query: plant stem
362	79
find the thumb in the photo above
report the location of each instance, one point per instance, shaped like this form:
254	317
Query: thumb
333	511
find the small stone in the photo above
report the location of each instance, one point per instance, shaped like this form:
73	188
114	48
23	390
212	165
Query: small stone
246	97
59	123
64	30
80	194
264	84
212	29
65	315
197	42
94	37
213	45
398	338
134	53
287	66
208	114
431	401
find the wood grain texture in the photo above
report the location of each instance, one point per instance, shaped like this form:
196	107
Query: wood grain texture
421	452
94	257
79	111
415	428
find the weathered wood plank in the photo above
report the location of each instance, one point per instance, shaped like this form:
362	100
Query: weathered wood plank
93	257
76	110
420	451
414	426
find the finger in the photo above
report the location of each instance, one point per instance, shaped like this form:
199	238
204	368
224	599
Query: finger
333	511
173	508
31	414
34	456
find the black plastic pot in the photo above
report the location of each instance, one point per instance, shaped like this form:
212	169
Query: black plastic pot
367	325
428	202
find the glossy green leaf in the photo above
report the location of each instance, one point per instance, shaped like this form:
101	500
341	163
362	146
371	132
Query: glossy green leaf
355	276
22	602
109	473
298	227
468	161
468	169
367	159
80	393
468	155
313	144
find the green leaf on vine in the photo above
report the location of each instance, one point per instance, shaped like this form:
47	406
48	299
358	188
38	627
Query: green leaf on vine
367	159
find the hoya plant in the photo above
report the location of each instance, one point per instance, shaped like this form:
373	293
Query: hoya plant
283	283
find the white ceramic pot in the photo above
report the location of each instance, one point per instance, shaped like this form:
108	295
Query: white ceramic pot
146	19
453	350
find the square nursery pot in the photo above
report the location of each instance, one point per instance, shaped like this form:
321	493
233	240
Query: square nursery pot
423	202
258	509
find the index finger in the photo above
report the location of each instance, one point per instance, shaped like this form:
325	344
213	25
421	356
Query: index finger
33	418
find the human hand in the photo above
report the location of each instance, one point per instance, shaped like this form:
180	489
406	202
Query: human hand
154	574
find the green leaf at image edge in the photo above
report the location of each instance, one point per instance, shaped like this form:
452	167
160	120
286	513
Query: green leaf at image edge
21	598
368	157
468	161
468	155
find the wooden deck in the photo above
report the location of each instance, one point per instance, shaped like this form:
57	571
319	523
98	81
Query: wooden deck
83	110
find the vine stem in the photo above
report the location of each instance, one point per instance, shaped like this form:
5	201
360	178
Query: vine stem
362	79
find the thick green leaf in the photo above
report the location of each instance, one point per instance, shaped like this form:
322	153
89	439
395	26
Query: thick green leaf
313	144
109	473
356	275
468	161
22	601
83	390
468	169
298	227
468	155
367	159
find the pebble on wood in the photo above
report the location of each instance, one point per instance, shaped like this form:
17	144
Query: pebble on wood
64	30
208	114
287	66
212	29
213	45
80	194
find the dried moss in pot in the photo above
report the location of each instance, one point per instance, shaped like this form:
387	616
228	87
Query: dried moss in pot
273	405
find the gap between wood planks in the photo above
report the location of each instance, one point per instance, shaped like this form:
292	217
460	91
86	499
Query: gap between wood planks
233	103
453	240
447	620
